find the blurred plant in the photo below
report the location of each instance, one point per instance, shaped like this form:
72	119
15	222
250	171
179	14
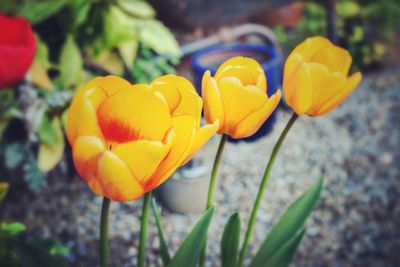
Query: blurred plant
17	45
365	28
76	40
14	252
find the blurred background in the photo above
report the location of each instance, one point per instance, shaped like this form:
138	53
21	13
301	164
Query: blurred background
356	147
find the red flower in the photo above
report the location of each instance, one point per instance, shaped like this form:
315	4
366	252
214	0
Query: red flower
17	49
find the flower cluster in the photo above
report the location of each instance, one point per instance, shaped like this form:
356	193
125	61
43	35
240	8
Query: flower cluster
128	139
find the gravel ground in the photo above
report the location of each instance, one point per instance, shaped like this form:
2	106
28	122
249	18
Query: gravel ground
356	223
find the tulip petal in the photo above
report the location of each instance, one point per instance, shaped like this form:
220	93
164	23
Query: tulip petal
325	85
142	157
251	123
247	70
239	101
298	91
292	65
213	108
134	113
335	58
116	179
184	130
331	104
310	46
86	151
82	118
181	96
200	138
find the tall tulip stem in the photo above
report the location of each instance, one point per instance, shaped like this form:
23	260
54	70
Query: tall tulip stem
211	189
143	229
262	187
105	210
213	179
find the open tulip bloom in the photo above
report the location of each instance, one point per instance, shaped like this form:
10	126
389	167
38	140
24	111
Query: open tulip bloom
128	139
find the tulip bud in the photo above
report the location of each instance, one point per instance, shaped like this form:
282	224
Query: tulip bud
316	77
237	97
17	49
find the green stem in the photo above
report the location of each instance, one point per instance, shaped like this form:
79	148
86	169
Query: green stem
262	187
211	189
143	229
213	179
105	208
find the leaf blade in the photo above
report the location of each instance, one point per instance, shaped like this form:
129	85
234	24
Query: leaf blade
289	224
189	252
71	63
230	241
166	258
284	256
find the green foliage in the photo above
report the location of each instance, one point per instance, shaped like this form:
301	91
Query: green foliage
230	241
166	258
37	11
285	236
70	63
189	252
50	153
284	256
147	67
14	252
76	40
31	256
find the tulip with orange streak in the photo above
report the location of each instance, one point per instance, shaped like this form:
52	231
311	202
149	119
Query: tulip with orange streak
237	97
128	139
316	77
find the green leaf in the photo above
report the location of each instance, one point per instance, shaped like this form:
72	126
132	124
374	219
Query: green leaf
47	134
163	244
158	37
12	228
59	249
128	51
36	11
42	53
119	28
49	155
70	63
80	11
289	224
284	256
230	241
3	190
189	252
137	8
31	256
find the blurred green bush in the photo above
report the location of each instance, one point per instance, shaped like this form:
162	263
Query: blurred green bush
76	40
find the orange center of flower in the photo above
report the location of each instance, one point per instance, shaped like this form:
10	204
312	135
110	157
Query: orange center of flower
133	113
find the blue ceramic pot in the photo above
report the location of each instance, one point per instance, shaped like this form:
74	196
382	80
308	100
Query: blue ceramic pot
211	57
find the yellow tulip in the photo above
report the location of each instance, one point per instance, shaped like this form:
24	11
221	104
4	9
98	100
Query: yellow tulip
128	139
316	77
237	97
